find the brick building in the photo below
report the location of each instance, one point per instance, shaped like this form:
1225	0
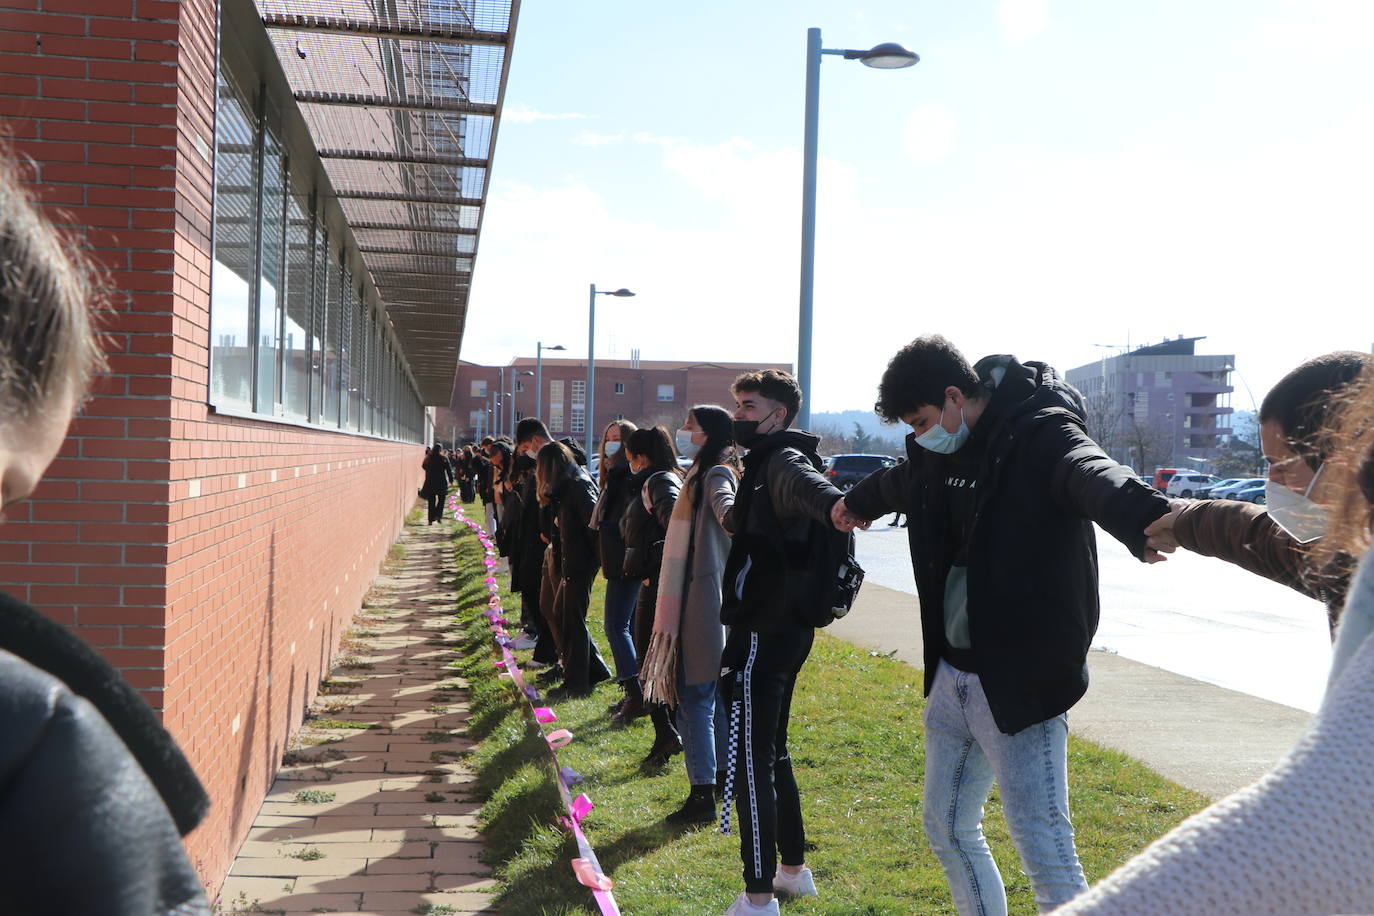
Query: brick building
285	197
647	392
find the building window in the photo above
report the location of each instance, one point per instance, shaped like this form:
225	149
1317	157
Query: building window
665	393
519	384
620	416
519	416
291	337
1161	379
579	392
478	388
475	418
232	277
297	345
619	387
555	419
579	420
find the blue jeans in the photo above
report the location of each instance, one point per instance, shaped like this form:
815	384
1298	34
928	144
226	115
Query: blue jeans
965	752
704	727
621	595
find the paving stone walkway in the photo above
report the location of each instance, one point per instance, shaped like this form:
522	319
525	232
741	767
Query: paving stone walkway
371	810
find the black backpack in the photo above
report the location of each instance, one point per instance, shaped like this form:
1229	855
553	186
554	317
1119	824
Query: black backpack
820	577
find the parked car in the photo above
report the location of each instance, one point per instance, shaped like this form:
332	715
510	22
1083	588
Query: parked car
846	470
1187	484
1250	495
1228	491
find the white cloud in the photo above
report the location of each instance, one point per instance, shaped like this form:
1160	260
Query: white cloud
1022	20
929	135
524	114
593	139
1262	253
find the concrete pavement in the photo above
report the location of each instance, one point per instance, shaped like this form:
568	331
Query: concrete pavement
1205	737
372	811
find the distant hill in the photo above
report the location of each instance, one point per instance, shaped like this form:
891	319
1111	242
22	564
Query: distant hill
868	421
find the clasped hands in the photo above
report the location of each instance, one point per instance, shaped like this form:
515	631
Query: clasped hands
845	520
1159	534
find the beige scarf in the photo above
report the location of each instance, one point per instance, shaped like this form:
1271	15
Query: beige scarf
658	668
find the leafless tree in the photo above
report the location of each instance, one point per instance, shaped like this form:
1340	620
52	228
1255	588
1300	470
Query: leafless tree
1148	443
833	439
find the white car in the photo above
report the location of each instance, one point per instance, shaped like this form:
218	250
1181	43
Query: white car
1186	484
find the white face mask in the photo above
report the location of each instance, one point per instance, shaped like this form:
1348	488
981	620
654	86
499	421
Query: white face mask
940	440
612	448
685	445
1294	512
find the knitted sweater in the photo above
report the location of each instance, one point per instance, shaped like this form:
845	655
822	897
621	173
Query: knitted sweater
1298	841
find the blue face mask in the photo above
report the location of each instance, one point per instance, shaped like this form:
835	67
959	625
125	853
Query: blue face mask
940	440
612	448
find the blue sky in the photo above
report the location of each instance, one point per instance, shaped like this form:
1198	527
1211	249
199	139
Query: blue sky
1051	175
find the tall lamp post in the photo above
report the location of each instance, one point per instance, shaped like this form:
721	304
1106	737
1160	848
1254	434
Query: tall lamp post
591	356
498	419
539	349
886	56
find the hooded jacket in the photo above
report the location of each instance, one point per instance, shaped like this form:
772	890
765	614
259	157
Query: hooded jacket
94	793
784	468
1032	554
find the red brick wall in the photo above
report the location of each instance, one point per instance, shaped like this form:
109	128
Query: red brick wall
276	534
215	561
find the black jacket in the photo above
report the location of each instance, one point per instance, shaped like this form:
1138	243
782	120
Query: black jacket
644	530
576	497
614	498
530	546
438	475
1032	555
94	793
798	494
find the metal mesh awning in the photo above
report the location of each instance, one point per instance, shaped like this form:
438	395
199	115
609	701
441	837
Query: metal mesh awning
403	99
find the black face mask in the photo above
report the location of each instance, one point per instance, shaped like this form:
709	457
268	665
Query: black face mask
747	432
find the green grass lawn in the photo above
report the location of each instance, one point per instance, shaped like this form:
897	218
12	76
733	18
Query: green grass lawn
856	746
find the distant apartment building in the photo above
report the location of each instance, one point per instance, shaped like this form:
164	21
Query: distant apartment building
646	392
1162	404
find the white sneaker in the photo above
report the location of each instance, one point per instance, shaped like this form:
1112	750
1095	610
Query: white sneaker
802	884
523	641
742	907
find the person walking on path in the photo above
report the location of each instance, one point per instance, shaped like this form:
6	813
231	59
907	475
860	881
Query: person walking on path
682	664
655	485
438	476
95	795
1002	485
622	591
1298	841
570	494
1279	540
769	640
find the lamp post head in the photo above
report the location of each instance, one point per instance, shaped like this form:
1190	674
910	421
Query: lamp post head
558	347
622	292
887	56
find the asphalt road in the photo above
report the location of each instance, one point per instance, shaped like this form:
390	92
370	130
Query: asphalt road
1194	616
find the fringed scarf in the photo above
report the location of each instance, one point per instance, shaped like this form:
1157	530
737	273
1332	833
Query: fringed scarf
658	668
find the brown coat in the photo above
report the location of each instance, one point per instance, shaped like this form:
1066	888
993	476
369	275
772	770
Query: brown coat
1243	534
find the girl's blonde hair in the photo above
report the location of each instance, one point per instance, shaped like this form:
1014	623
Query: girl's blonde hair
48	345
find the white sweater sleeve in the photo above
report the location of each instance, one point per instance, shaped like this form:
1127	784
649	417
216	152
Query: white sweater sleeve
1299	841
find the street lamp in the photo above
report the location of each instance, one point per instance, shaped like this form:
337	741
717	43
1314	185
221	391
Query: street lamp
591	356
886	56
539	349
